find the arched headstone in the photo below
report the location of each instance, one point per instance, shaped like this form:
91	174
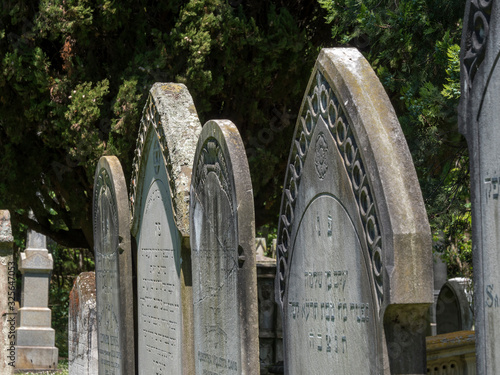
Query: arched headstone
453	307
113	269
159	190
354	273
223	255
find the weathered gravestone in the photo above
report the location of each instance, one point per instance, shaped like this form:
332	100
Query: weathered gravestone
160	205
35	339
479	120
223	254
82	327
7	291
354	273
453	307
113	269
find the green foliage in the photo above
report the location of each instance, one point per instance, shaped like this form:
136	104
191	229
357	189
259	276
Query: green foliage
75	75
413	45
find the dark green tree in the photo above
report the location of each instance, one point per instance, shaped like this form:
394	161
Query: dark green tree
413	45
75	74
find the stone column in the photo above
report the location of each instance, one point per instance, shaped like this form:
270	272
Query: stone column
7	286
35	338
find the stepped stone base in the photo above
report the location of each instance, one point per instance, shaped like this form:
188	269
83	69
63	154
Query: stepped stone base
36	358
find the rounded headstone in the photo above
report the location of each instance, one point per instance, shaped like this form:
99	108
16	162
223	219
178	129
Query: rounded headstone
113	269
223	254
161	177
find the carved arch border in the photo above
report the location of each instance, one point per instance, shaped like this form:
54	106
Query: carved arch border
322	101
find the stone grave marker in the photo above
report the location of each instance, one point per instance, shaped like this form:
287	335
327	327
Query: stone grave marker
82	327
7	291
159	190
453	307
354	274
113	269
35	337
479	117
223	254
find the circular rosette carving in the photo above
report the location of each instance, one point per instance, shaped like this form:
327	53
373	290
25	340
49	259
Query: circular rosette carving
321	156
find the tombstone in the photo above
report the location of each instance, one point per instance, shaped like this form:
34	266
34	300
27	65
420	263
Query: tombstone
159	190
35	338
453	307
82	327
440	278
354	274
479	115
113	268
223	254
7	291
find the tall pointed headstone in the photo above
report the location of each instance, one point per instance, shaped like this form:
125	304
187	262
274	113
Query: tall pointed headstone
226	331
113	268
159	192
35	348
479	120
7	291
354	275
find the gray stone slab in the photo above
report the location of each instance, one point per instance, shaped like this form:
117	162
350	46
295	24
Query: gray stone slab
82	326
113	268
160	204
479	116
354	273
223	254
7	291
454	307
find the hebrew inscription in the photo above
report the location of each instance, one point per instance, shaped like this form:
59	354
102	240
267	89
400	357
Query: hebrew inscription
215	261
106	236
113	270
223	255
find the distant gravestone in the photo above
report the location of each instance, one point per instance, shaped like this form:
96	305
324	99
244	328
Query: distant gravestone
479	117
453	307
7	291
159	191
223	254
113	268
354	275
82	327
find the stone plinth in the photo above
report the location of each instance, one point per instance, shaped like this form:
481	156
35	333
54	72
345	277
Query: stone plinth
35	348
82	326
7	291
451	353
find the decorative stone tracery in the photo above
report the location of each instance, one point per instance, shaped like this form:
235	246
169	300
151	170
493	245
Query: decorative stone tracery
323	105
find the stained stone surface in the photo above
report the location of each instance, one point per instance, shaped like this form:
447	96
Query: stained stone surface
453	307
113	268
7	307
82	327
159	191
354	245
223	254
479	117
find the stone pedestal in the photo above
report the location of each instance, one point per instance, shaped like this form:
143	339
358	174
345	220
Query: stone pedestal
35	348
